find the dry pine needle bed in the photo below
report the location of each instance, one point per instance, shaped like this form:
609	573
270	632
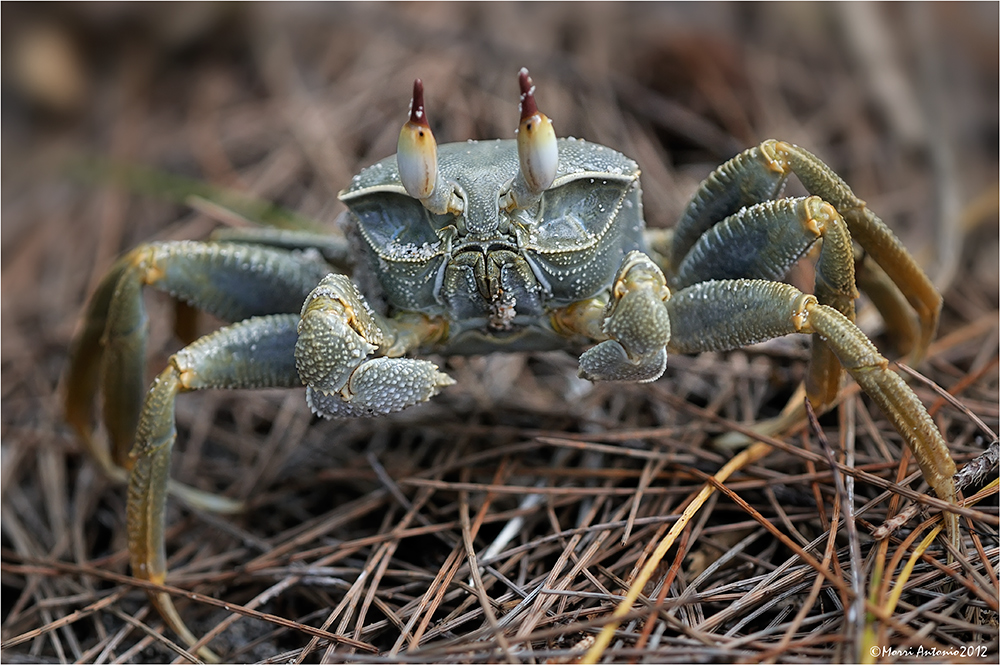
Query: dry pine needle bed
506	519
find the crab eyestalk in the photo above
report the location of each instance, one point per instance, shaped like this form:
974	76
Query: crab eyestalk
537	150
416	158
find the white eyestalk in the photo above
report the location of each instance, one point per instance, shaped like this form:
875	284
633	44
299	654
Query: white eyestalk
537	150
416	159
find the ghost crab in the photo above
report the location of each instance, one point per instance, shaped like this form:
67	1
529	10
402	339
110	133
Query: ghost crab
469	248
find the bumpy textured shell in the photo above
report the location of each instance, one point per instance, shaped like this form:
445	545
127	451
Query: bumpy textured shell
574	242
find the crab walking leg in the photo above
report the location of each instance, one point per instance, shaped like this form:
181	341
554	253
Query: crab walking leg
748	178
636	323
759	173
255	353
231	281
337	333
336	250
727	314
890	303
83	373
874	236
764	241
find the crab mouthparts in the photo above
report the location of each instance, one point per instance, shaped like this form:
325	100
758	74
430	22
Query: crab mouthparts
485	248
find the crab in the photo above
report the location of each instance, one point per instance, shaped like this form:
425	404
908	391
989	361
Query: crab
530	244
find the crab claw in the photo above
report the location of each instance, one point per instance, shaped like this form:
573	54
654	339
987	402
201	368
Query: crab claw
536	140
416	152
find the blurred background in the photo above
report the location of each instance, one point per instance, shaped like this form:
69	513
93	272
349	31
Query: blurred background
286	101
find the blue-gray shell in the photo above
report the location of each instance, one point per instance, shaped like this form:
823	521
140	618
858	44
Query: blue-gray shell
588	219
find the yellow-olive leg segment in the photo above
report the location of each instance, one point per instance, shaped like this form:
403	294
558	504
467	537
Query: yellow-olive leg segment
338	332
636	322
899	317
727	314
870	232
231	281
835	287
256	353
83	374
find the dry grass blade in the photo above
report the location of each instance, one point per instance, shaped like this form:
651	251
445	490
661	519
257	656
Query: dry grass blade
749	456
855	614
948	397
